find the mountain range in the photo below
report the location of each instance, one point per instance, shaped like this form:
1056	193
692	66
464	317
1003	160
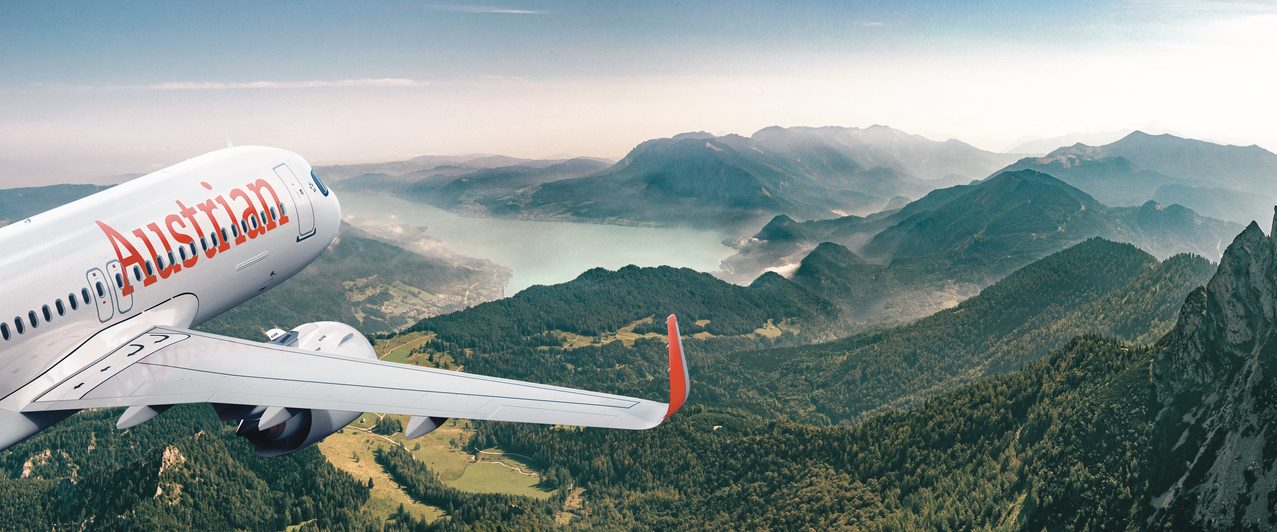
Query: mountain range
938	250
1102	425
731	181
736	183
1236	183
722	182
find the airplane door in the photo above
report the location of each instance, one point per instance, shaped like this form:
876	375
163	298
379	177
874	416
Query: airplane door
100	289
303	211
114	273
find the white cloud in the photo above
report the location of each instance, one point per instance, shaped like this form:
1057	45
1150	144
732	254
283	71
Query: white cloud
485	10
248	85
301	84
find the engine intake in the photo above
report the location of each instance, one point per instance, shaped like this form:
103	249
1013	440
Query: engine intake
302	427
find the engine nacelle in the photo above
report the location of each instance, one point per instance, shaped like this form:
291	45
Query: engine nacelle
275	431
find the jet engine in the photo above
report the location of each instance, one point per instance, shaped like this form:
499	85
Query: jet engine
279	430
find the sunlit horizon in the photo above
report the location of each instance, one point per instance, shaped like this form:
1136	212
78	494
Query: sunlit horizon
93	90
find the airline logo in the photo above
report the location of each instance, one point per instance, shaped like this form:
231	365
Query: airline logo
191	223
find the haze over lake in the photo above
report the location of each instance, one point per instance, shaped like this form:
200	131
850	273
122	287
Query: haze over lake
540	252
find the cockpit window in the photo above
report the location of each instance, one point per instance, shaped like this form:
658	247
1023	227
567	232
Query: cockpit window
323	189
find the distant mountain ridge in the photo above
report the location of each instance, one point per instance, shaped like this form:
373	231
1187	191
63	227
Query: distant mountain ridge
1236	183
1096	286
698	179
944	247
733	181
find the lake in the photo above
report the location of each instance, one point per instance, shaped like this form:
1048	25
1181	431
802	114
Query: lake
542	252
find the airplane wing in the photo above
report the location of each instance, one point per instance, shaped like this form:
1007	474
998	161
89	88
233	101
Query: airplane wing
166	366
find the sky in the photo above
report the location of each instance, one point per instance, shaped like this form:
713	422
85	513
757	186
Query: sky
92	89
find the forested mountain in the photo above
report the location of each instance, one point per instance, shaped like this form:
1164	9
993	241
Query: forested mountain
601	301
1026	214
734	181
1229	182
944	247
185	470
1099	434
1061	443
1096	287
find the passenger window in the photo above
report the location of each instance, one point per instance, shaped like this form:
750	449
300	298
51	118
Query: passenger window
48	316
85	293
119	280
71	299
235	231
171	258
4	330
17	324
62	309
281	209
273	216
137	273
150	270
192	245
159	262
101	289
204	243
182	251
31	317
243	224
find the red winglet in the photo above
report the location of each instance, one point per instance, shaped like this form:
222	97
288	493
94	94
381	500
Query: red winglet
680	384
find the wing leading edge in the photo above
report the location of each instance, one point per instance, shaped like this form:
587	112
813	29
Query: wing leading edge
179	366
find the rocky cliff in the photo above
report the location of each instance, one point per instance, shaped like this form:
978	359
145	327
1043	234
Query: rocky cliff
1215	385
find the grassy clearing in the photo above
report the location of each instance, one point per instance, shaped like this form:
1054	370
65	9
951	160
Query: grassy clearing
625	335
497	472
351	451
773	330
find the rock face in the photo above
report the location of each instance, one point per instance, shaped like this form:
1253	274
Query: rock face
1215	382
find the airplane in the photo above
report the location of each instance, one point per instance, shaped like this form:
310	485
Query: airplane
102	294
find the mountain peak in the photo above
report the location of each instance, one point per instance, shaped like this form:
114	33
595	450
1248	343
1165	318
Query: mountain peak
1214	376
695	135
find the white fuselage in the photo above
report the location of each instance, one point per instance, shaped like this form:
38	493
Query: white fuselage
115	246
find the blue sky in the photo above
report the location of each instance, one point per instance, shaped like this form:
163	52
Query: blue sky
95	88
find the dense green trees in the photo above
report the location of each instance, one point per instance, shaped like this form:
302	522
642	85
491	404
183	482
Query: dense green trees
183	470
1022	448
1096	287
